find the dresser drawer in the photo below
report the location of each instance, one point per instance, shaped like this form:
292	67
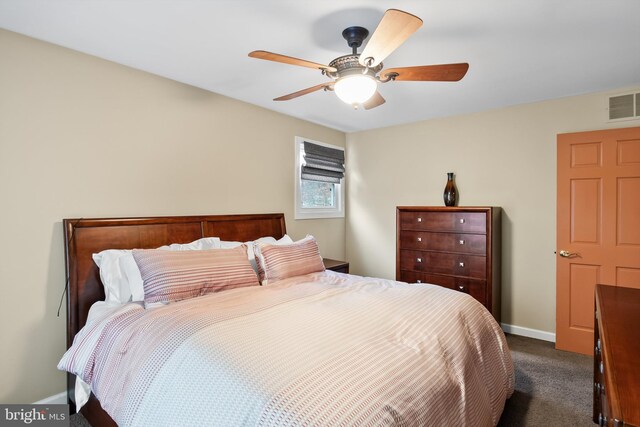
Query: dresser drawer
446	242
444	263
603	416
469	222
476	288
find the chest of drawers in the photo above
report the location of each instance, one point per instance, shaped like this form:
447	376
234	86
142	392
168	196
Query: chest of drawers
454	247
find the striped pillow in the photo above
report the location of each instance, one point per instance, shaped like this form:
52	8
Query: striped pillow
173	276
258	262
295	259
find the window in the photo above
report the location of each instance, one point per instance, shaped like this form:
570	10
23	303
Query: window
319	180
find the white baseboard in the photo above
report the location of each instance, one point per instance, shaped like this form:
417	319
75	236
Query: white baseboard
527	332
56	399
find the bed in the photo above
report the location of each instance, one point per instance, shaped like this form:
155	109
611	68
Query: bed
322	348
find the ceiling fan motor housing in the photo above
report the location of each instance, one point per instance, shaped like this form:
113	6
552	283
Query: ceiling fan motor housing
349	64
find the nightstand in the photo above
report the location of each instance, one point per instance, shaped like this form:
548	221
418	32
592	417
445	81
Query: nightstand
335	265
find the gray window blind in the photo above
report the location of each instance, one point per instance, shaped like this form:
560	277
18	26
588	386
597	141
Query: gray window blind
322	163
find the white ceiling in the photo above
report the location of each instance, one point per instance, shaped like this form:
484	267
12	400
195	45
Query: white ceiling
519	51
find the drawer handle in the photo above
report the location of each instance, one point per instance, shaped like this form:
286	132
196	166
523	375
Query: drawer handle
461	264
462	288
602	368
419	219
418	259
599	345
418	281
602	420
419	239
461	220
597	387
461	242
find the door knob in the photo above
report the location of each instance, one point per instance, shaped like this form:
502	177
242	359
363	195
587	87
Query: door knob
567	254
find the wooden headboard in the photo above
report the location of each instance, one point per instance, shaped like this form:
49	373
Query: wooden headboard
86	236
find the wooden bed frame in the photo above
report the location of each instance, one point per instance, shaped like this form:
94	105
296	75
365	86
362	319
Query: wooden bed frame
86	236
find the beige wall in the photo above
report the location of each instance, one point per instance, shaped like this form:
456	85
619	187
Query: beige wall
84	137
502	158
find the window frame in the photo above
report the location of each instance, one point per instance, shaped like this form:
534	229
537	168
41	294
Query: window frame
315	213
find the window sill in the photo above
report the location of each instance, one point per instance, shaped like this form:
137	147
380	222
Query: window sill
318	215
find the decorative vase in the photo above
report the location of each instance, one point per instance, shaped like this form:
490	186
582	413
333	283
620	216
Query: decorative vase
450	193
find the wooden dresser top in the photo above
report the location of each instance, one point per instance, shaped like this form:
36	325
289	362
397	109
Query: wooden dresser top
619	321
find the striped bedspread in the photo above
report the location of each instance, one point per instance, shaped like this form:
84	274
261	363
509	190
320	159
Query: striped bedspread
323	349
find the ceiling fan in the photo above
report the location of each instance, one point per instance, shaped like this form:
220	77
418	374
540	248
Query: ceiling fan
355	77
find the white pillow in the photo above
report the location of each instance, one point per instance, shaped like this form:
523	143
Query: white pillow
200	244
116	286
134	278
120	274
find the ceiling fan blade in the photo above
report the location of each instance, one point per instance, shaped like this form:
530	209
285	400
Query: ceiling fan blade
270	56
303	92
429	73
395	27
375	101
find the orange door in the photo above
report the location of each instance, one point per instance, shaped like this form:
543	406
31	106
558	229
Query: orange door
598	221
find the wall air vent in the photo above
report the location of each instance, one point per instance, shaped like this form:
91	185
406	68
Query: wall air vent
625	106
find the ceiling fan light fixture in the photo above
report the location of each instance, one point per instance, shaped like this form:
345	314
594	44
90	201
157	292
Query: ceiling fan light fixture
355	88
355	77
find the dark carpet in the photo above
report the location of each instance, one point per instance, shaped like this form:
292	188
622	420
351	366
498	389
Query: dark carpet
553	388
